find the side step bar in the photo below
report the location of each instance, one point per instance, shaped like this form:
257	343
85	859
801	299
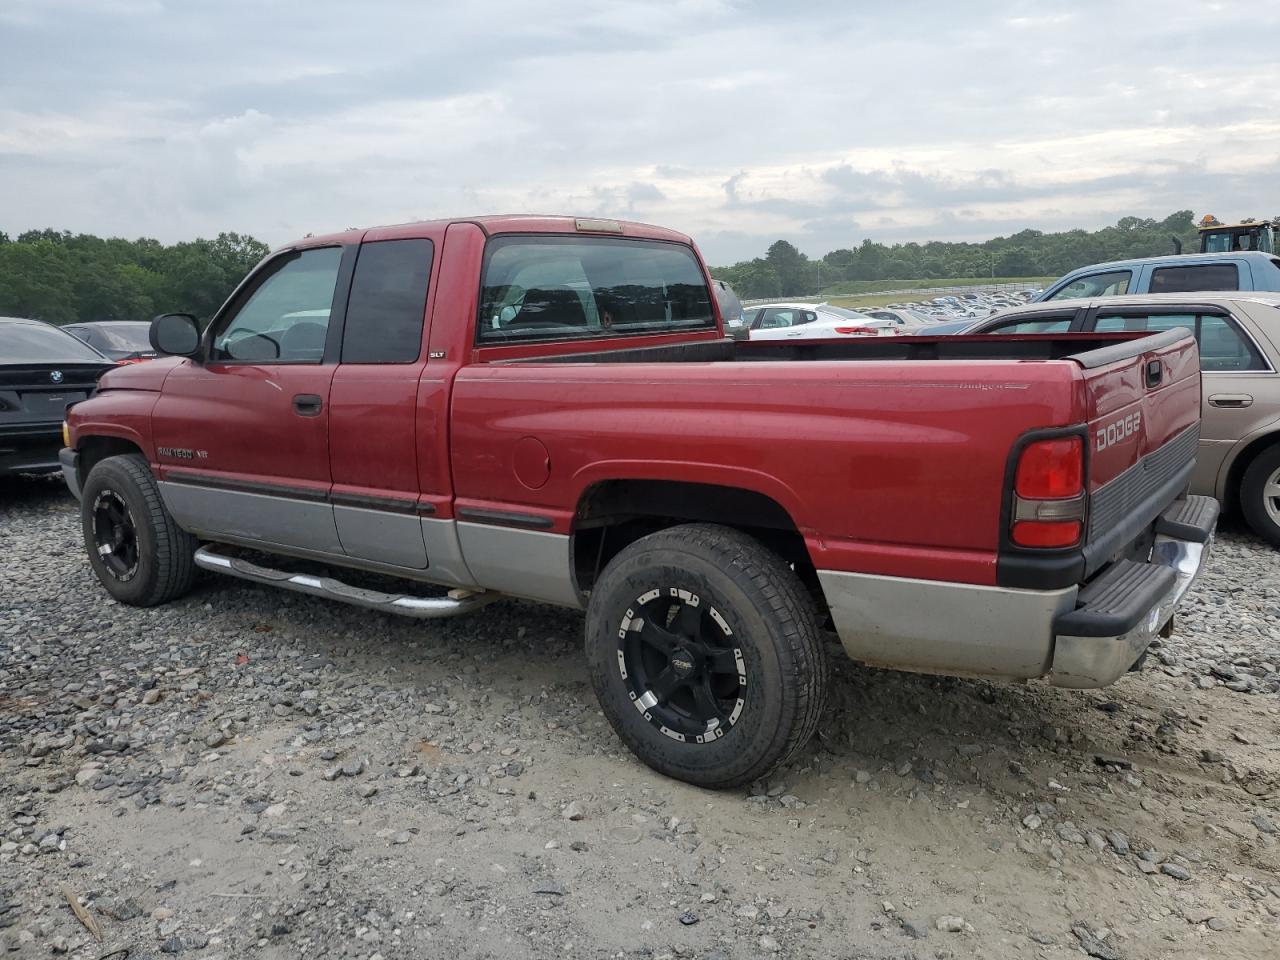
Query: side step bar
423	608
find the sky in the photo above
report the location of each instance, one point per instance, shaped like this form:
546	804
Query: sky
738	122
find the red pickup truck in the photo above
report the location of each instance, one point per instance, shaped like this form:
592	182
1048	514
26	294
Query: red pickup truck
548	408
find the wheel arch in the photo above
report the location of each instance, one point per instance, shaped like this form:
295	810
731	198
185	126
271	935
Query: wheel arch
1229	487
97	447
615	512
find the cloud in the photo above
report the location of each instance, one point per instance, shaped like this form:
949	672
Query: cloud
737	121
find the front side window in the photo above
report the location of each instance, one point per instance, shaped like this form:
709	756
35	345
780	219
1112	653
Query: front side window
1209	276
1111	284
571	288
388	301
285	319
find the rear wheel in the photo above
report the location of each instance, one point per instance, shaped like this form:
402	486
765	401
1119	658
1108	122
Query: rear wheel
705	652
1260	494
139	553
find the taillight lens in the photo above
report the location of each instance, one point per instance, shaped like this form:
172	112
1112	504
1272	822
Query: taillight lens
1042	533
857	331
1051	469
1049	484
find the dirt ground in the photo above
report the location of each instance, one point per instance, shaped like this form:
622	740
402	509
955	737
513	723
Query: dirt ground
248	773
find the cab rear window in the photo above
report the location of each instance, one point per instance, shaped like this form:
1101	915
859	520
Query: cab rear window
538	288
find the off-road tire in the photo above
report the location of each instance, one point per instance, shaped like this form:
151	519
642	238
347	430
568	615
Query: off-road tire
165	566
775	628
1263	468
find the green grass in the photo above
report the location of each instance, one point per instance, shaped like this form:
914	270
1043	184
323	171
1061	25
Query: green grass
853	288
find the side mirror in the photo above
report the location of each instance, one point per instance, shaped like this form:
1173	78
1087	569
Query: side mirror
175	335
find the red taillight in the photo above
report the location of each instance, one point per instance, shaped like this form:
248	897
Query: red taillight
1049	487
1044	533
1051	469
858	331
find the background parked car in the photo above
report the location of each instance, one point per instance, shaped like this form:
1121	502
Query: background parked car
808	321
121	340
1179	274
42	369
905	319
1239	338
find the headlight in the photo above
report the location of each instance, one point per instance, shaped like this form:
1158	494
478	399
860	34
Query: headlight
66	434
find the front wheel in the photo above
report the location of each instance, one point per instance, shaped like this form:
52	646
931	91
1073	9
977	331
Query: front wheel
1260	494
706	655
139	553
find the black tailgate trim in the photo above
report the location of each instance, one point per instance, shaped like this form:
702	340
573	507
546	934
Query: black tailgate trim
1101	356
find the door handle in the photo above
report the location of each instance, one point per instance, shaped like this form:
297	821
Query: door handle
307	404
1235	400
1155	373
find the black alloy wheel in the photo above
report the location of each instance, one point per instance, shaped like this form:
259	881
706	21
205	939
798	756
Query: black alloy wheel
705	652
138	552
682	665
115	535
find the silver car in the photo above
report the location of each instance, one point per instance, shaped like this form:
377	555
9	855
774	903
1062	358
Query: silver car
1239	337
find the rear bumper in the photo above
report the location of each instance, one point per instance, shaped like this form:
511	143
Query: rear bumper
69	460
1077	637
1127	606
30	448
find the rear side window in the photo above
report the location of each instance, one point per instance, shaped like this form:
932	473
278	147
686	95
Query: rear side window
1209	276
1031	326
1223	346
388	302
572	288
1152	322
1112	284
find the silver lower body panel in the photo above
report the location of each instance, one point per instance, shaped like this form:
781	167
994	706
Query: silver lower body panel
932	626
523	563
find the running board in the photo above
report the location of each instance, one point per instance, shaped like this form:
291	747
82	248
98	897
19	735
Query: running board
423	608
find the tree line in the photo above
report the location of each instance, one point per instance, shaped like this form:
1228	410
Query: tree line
785	271
62	277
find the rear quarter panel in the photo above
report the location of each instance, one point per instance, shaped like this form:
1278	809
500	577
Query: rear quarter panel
885	466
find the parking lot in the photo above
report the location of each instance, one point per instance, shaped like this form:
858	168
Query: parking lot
254	773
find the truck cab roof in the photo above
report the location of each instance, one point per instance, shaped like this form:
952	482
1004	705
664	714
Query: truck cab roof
497	224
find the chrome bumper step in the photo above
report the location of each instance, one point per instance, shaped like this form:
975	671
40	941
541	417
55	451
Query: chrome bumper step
457	602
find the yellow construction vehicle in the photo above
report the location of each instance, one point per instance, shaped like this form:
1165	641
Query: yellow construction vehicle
1248	234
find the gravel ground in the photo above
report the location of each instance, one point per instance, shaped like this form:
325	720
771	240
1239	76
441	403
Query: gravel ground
248	773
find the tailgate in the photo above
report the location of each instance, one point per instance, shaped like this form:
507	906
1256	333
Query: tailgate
1142	400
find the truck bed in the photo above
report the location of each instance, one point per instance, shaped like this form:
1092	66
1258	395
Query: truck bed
1087	349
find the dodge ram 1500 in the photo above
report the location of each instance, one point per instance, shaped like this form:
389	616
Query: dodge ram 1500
548	408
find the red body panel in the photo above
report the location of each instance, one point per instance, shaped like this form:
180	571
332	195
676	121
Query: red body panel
883	470
256	435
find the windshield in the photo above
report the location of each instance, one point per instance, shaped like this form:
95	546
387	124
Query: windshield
39	343
134	337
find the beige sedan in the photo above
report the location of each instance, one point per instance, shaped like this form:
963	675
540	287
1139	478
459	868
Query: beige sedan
1239	338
